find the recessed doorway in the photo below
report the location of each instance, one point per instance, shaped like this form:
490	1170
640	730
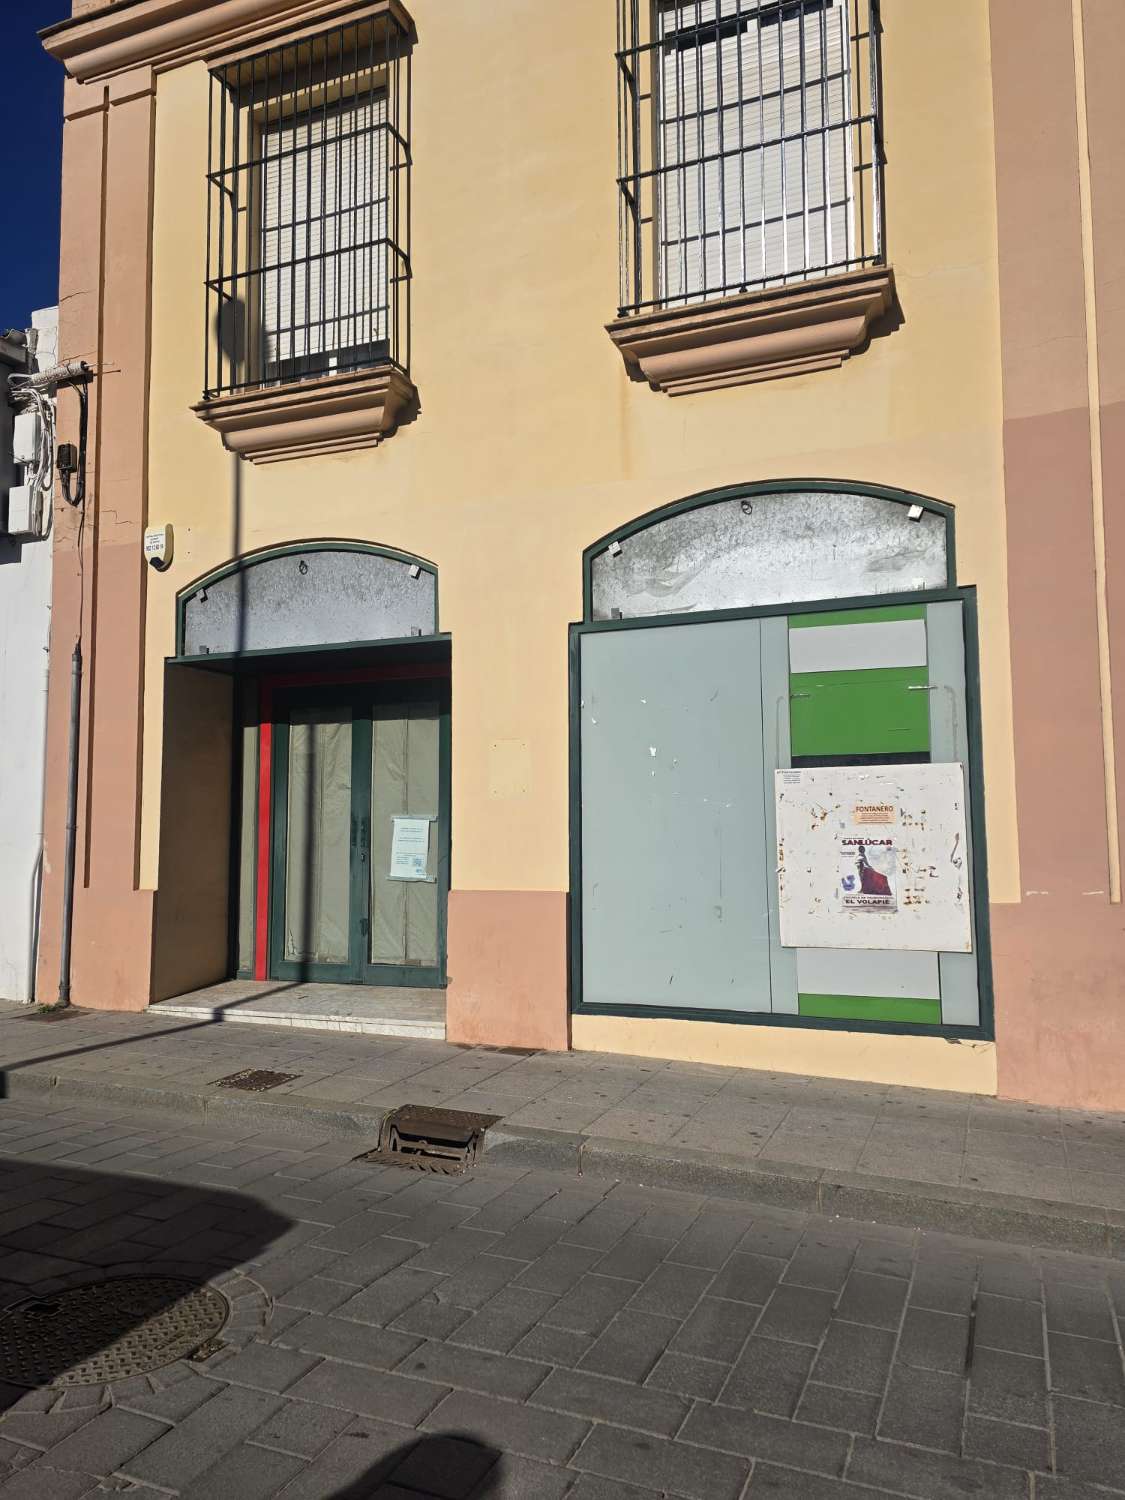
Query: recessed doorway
358	834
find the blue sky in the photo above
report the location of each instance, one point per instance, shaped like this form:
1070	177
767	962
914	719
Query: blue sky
30	145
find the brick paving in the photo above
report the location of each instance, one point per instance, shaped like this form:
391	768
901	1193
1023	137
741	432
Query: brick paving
878	1130
520	1333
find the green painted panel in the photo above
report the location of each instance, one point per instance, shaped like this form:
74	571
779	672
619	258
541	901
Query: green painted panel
871	711
858	616
870	1008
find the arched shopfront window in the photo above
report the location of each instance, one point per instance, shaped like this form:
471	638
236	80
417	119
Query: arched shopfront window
752	546
310	594
745	654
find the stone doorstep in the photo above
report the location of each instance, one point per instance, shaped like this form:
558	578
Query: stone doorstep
357	1025
1040	1223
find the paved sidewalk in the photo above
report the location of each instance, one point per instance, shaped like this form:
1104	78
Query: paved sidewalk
908	1156
517	1335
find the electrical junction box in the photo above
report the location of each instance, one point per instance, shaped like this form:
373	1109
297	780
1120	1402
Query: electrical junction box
21	510
26	437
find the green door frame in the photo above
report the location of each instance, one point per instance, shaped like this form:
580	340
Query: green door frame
360	698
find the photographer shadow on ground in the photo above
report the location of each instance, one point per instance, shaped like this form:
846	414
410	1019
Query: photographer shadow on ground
437	1466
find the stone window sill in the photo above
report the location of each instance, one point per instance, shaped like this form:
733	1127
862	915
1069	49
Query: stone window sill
787	330
326	414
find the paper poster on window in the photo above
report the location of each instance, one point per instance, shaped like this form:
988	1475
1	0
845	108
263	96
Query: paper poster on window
868	874
410	849
874	857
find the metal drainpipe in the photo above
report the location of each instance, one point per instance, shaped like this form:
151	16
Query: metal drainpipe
71	824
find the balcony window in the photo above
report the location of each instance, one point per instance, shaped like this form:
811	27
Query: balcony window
308	261
750	167
750	145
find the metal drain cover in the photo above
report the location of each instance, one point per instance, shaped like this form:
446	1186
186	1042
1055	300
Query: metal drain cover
255	1080
429	1139
107	1330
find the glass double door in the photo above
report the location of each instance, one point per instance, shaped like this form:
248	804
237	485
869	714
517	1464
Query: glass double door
360	836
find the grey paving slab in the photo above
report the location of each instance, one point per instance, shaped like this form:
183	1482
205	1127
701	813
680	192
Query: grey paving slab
376	1393
923	1407
474	1370
904	1470
301	1428
46	1483
509	1426
504	1319
1088	1368
1010	1323
106	1443
251	1473
769	1376
263	1367
716	1329
663	1466
365	1452
934	1340
855	1357
630	1345
846	1411
182	1454
613	1401
355	1343
757	1436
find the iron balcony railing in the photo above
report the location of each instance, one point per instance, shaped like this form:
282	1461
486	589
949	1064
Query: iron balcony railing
751	152
308	256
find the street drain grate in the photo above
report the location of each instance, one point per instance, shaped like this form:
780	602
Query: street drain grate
255	1080
107	1330
429	1139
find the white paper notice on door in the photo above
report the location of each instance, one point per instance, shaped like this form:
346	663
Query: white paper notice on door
410	849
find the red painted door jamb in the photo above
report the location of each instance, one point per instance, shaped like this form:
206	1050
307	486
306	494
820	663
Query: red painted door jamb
265	769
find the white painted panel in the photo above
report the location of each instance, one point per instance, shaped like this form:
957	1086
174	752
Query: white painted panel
859	971
873	857
845	648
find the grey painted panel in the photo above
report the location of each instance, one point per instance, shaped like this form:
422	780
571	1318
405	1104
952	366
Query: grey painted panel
776	757
674	878
949	740
314	598
770	549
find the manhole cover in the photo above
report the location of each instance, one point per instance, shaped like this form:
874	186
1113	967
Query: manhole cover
107	1330
255	1080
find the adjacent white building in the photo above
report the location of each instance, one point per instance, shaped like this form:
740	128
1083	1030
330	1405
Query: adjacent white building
25	624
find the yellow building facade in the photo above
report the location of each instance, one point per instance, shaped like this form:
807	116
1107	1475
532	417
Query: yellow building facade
526	440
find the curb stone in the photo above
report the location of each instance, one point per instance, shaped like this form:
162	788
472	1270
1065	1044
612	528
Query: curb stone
975	1212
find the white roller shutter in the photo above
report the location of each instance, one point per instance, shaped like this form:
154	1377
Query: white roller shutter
323	236
754	156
